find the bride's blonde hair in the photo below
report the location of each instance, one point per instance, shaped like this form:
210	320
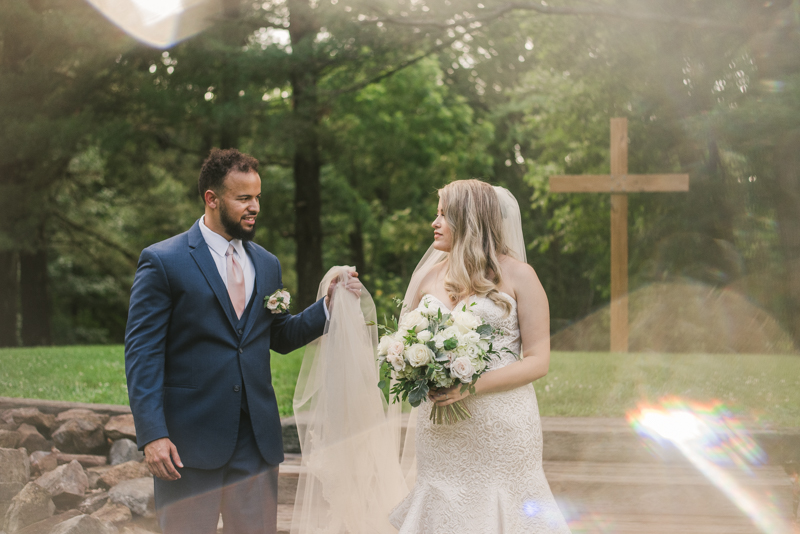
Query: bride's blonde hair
473	213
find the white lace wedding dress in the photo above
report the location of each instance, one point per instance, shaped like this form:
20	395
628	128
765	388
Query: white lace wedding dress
483	475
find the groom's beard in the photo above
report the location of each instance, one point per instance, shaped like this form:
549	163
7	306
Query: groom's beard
233	227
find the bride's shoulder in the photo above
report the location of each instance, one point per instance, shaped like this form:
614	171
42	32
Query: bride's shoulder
428	283
517	273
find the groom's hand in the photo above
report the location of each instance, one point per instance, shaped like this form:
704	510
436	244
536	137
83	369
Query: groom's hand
353	284
159	456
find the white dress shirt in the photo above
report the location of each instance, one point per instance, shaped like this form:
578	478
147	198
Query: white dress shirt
218	246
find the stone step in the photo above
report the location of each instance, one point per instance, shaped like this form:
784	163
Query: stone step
605	439
601	522
599	439
636	490
671	490
605	523
608	479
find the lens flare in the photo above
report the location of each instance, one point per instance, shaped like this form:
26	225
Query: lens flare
153	11
773	86
543	510
531	508
160	23
711	437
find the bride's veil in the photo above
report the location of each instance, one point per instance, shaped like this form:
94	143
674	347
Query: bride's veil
350	477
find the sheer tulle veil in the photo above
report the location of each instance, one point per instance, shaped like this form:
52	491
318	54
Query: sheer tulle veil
352	473
350	476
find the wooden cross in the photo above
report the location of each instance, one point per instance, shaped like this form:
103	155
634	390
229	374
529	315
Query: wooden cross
619	183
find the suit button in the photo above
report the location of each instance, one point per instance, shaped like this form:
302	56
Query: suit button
241	331
236	389
241	350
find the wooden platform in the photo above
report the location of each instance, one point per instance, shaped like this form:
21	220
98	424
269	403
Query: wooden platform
606	480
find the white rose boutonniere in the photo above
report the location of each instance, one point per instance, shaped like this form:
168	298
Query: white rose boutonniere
278	302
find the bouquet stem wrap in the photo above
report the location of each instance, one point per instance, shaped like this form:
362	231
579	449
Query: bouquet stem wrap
452	413
350	477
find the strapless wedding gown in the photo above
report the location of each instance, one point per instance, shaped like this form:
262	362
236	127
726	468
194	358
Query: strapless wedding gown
483	475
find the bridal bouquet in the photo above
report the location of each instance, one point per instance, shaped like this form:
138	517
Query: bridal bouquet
431	349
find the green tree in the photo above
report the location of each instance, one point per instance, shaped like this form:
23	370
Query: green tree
48	66
391	145
671	82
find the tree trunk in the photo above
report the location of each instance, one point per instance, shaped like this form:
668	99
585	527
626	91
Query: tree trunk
308	224
9	300
229	84
35	298
307	163
720	225
357	249
787	210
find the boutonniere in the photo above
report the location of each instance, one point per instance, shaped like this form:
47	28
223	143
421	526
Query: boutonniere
278	302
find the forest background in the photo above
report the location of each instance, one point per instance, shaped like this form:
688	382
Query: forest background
358	110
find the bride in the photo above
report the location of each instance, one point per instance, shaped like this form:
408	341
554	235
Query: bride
480	475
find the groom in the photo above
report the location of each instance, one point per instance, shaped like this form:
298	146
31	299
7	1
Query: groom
197	360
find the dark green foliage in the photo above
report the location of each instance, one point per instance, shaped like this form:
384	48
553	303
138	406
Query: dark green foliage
102	140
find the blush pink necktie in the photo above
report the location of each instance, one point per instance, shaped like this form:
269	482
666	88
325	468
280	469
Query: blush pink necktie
235	282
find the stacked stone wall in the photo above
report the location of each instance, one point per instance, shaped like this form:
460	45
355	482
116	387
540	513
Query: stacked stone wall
70	468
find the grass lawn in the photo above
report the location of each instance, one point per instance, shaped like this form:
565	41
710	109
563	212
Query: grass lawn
97	374
579	384
760	386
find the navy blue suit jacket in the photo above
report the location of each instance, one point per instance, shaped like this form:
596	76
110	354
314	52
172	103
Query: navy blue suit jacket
186	361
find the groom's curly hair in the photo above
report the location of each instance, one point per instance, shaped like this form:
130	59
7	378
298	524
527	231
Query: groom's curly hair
217	166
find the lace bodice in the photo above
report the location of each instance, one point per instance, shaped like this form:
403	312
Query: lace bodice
506	325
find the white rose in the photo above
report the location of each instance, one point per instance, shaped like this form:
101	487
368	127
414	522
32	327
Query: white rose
419	355
438	340
429	307
286	297
272	303
466	321
383	345
450	331
394	348
473	351
413	320
462	369
470	337
425	336
396	361
483	344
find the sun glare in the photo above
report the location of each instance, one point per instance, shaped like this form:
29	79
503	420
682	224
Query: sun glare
710	437
154	11
160	23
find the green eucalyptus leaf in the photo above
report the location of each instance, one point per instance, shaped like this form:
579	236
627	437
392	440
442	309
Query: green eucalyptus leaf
484	330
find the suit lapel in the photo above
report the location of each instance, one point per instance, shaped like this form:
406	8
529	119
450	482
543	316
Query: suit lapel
260	289
201	254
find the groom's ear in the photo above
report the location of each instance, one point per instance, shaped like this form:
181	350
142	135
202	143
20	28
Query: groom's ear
211	199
